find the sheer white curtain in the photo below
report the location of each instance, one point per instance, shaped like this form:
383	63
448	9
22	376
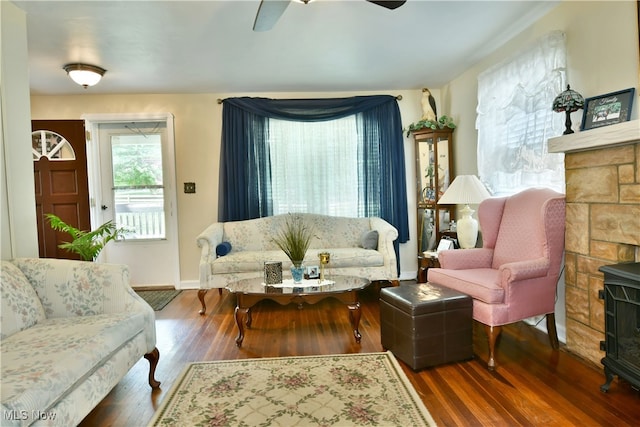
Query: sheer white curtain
314	166
515	119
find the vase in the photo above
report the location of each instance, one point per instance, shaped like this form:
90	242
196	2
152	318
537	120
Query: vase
297	271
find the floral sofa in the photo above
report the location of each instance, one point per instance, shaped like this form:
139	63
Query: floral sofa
70	331
238	250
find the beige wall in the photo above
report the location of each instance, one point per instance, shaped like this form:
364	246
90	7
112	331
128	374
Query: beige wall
602	57
597	65
197	146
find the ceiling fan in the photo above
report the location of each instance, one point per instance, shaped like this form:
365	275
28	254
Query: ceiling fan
270	11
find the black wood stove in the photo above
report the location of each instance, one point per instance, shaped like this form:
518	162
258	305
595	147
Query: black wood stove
621	296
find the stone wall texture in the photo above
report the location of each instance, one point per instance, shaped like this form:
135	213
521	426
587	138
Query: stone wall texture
602	227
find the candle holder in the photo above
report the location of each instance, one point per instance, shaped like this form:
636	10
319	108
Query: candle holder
324	260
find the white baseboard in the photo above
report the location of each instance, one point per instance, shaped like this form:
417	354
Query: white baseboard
408	275
158	287
189	284
542	326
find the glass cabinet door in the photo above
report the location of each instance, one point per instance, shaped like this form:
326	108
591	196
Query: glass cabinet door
433	176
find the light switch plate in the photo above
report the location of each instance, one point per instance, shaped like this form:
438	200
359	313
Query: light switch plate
189	187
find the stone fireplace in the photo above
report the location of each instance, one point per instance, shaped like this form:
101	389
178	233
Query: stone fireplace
602	171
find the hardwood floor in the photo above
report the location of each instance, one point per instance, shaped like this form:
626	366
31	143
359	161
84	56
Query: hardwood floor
533	385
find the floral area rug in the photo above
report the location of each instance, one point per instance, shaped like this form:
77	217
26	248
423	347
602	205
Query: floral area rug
339	390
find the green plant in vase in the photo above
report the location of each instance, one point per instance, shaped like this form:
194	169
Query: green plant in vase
294	239
87	244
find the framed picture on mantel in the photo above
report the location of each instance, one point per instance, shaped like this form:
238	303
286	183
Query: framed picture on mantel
607	109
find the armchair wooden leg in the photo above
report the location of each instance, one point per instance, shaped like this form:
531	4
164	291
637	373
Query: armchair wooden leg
153	358
201	294
551	330
493	332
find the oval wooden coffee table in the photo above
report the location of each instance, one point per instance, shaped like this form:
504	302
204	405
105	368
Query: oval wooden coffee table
251	291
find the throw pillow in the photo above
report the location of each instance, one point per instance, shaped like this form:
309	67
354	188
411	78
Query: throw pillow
369	239
21	307
223	248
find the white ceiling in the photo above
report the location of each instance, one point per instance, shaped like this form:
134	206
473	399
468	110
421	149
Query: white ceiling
209	46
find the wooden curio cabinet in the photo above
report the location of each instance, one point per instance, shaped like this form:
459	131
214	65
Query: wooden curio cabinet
434	173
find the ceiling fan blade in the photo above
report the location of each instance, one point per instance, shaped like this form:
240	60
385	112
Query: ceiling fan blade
388	4
268	14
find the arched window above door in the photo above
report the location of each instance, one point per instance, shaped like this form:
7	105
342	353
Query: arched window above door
45	143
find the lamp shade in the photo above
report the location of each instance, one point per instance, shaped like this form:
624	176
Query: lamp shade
464	190
569	100
84	74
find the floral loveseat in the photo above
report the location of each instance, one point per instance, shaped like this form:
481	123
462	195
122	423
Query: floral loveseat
70	331
358	247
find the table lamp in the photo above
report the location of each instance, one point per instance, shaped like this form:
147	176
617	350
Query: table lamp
465	190
568	101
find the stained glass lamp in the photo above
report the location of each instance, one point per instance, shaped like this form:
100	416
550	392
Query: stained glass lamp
568	101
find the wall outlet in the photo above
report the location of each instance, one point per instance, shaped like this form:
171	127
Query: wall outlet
189	187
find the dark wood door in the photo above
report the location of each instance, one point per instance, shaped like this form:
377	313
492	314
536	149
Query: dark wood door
61	184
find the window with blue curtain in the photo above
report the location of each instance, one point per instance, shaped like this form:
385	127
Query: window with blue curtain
334	156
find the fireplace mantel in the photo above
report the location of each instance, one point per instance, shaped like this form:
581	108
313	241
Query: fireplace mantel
606	136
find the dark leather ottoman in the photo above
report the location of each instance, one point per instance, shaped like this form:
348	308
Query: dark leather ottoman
426	324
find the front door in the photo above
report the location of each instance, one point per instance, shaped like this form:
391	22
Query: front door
61	186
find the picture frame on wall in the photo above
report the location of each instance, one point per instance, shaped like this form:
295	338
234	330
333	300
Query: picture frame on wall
608	109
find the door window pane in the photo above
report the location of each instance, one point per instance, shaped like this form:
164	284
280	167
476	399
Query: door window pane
137	185
45	143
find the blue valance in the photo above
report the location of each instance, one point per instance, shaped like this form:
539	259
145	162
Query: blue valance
245	169
309	110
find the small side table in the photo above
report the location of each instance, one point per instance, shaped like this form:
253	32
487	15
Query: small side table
426	261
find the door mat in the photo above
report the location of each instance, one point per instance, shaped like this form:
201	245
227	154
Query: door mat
160	298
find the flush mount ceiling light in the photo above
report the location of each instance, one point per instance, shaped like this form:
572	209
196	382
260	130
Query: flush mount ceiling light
84	74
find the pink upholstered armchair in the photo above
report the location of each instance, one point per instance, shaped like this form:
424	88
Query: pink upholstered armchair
514	275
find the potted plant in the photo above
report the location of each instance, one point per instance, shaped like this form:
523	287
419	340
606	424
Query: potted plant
87	244
294	240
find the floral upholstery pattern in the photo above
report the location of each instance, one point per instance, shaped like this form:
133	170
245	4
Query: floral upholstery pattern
243	262
92	329
252	245
81	288
28	368
82	399
21	307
